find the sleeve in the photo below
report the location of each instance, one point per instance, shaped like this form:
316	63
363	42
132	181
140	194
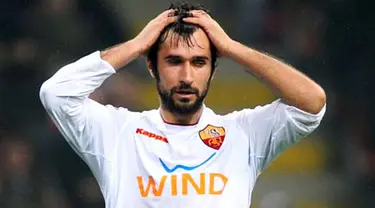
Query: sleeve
90	128
275	127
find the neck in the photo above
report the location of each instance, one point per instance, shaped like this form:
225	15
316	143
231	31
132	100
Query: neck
178	119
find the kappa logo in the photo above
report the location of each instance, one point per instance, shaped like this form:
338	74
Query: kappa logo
151	135
212	136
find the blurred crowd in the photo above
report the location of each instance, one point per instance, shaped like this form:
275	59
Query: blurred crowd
331	41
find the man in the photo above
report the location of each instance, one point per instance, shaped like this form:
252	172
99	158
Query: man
181	154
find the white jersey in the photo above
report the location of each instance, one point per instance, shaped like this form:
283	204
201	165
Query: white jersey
141	161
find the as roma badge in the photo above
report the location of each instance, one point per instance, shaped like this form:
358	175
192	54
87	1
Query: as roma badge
212	136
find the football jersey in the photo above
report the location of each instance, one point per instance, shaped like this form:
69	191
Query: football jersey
141	161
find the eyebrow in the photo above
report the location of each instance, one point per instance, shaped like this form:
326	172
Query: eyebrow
179	57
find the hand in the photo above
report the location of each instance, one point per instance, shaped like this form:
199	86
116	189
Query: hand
151	32
214	31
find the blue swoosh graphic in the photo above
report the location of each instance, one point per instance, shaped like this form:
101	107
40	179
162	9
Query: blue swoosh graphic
185	167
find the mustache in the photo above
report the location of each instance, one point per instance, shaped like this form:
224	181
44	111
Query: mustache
184	88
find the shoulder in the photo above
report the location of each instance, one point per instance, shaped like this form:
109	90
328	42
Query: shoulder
223	117
245	116
269	108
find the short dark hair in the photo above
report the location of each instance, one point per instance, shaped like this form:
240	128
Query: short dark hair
182	30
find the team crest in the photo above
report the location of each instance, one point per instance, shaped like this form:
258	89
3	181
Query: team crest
212	136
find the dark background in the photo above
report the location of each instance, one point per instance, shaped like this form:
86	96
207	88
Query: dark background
332	41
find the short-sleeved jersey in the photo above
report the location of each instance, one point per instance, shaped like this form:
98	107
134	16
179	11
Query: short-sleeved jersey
141	161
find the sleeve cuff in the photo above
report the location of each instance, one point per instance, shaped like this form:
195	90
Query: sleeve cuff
103	62
296	111
304	121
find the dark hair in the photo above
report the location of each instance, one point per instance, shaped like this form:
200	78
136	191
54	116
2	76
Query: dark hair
182	30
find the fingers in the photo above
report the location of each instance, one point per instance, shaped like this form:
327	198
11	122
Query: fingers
167	13
165	18
169	20
198	17
192	20
171	13
199	13
168	17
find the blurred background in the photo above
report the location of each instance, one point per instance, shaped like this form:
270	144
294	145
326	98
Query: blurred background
330	40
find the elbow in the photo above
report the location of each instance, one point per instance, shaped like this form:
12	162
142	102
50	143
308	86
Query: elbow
44	91
318	101
47	95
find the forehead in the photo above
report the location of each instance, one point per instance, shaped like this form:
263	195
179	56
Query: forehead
174	44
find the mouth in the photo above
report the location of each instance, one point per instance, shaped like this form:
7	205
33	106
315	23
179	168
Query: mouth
185	92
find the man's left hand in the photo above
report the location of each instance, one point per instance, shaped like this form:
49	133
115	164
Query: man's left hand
214	31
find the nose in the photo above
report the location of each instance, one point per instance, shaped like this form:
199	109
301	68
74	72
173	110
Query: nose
187	73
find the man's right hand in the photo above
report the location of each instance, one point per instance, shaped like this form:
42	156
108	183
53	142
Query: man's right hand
120	55
151	32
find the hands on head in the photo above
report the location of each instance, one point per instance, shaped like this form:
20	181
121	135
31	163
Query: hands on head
152	31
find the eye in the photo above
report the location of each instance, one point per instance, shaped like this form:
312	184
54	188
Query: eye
173	61
199	62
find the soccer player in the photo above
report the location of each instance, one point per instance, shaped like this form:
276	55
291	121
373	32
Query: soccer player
182	154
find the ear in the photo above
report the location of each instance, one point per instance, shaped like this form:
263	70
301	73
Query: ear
149	67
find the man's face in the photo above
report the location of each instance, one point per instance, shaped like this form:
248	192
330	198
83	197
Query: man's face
184	72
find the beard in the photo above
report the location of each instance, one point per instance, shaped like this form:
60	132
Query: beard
182	106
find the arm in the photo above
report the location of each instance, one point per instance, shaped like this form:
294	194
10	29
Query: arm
272	128
120	55
89	127
292	86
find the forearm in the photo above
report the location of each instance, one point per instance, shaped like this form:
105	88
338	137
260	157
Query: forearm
65	97
88	73
75	81
292	86
120	55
